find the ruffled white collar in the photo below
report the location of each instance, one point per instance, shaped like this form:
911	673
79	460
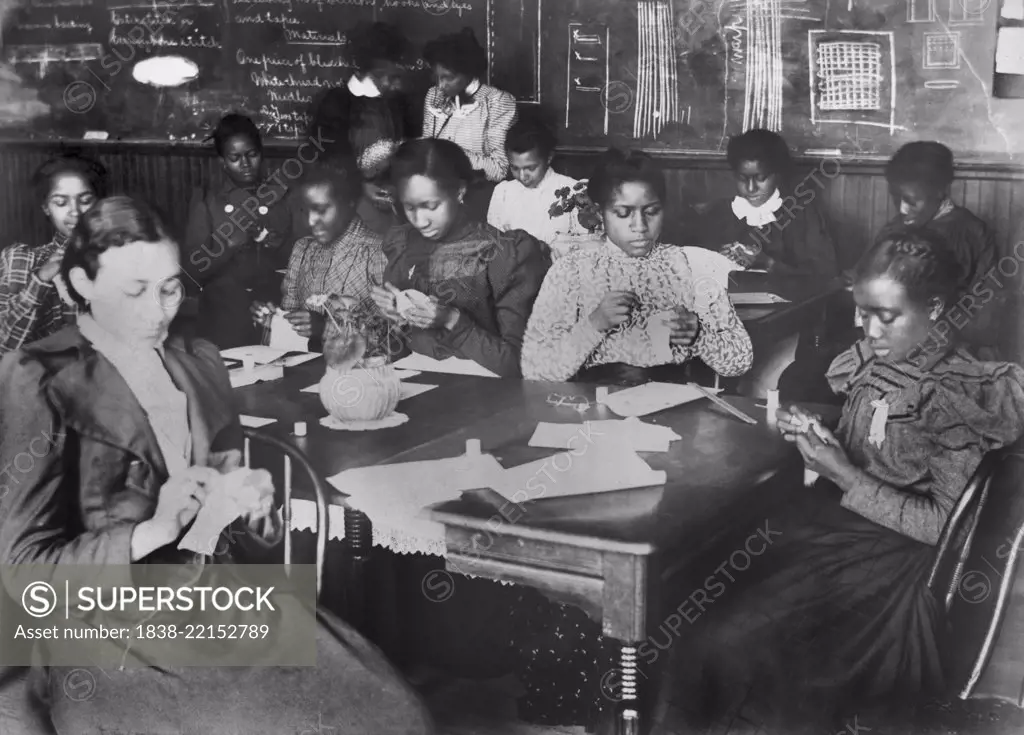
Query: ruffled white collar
364	87
757	216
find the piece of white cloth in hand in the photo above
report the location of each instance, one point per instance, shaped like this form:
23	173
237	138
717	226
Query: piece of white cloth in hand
220	509
659	327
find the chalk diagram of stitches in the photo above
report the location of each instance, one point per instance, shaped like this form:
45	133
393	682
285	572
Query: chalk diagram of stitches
754	35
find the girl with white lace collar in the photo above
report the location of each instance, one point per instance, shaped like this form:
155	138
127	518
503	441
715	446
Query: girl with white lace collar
769	224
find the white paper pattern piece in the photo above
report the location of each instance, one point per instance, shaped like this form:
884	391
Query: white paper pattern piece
453	365
255	422
652	397
640	436
283	335
1010	51
411	390
293	359
610	467
220	510
660	331
756	299
241	377
1013	9
260	354
404	374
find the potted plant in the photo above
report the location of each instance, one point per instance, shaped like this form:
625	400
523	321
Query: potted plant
360	383
588	215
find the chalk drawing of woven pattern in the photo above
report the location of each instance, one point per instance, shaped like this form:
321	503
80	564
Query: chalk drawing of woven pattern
849	76
657	100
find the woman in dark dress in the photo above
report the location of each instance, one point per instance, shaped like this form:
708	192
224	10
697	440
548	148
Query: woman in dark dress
481	282
840	613
238	235
370	116
771	223
141	426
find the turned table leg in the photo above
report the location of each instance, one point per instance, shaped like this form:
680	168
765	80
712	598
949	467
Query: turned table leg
359	540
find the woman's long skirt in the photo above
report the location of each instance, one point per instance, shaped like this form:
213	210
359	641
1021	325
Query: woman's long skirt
837	614
352	690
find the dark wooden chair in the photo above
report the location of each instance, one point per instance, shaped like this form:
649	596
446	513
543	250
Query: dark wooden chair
958	534
292	457
985	617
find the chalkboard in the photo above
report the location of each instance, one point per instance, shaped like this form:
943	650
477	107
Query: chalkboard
858	76
267	58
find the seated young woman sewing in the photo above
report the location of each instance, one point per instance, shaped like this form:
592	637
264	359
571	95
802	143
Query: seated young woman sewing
772	223
342	257
601	309
140	427
31	305
920	175
840	612
481	282
238	234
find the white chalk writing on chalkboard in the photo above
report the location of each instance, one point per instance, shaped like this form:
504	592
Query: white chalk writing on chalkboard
314	38
148	19
302	60
293	96
57	24
148	42
263	79
269	18
59	3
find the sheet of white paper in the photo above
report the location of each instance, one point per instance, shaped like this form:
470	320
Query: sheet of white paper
241	377
293	359
419	483
219	511
652	397
255	422
660	332
1013	9
640	436
260	354
609	467
1010	51
453	365
283	335
756	299
410	390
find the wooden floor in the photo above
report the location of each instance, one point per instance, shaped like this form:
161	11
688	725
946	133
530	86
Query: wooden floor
463	707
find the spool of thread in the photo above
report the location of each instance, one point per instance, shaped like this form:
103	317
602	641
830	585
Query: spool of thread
300	428
472	447
248	363
601	394
771	407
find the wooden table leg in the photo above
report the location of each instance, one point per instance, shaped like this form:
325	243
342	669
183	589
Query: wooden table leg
359	540
628	712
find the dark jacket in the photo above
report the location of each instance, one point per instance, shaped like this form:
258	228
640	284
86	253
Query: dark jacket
84	466
491	277
222	263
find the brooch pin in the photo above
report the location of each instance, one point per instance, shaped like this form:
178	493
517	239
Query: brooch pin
263	210
229	208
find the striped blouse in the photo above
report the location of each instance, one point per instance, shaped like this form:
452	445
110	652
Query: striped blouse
478	128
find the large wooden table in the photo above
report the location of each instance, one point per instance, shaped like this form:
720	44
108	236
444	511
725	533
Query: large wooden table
605	552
